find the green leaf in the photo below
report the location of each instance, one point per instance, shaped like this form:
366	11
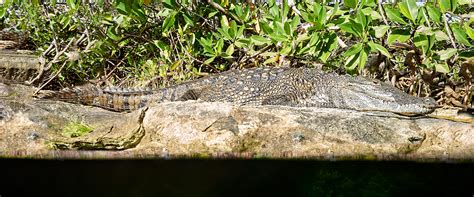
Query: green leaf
205	42
440	35
224	32
240	32
446	54
347	27
188	20
112	34
243	42
270	60
464	2
362	59
168	23
448	5
353	50
278	37
314	39
307	17
425	42
170	4
362	20
233	29
394	15
459	34
400	35
269	54
368	3
131	9
219	46
285	9
259	40
230	50
469	31
352	62
295	22
434	13
357	27
287	28
2	11
329	46
210	60
161	45
351	3
321	11
409	9
175	65
65	20
238	11
72	4
211	14
380	48
278	27
285	50
274	12
466	54
224	21
368	11
121	6
442	68
266	28
352	27
380	30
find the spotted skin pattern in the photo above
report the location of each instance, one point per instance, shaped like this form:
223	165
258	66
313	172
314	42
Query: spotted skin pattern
298	87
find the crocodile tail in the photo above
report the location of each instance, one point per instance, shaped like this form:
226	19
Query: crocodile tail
115	99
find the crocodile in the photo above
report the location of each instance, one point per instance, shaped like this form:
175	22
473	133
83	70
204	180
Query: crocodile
297	87
17	67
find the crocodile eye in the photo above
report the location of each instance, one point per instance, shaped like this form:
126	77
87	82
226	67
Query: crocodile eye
375	82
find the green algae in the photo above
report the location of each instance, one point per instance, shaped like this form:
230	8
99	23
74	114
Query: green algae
76	129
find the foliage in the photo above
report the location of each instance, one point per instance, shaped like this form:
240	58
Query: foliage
177	40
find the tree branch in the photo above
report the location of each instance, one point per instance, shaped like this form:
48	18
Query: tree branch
227	13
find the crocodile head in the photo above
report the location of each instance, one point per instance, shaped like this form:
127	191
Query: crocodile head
373	95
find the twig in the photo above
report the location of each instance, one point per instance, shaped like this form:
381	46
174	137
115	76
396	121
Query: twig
47	50
140	32
256	54
173	43
89	43
261	51
50	63
51	78
382	12
227	13
448	29
426	17
88	38
186	52
190	11
115	67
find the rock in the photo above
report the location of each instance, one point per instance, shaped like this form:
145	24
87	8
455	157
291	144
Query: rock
195	128
187	128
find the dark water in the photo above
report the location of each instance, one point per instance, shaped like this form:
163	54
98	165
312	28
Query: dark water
232	178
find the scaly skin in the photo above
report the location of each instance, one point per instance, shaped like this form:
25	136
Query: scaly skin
299	87
18	68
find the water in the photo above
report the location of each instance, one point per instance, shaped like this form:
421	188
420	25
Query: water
233	178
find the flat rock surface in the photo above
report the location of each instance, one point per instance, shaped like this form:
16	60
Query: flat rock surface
35	128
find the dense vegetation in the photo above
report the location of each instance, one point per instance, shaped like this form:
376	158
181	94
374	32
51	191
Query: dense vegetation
422	49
